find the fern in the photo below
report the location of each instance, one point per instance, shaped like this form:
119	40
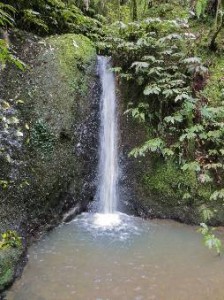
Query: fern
32	17
152	89
152	145
181	121
139	65
5	14
191	166
217	195
200	7
7	57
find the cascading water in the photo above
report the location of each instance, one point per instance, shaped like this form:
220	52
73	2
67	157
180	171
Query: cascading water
108	166
107	193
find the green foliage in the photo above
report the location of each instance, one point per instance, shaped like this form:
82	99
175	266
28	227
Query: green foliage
217	195
191	166
184	124
41	137
32	18
210	240
171	183
153	145
206	213
10	239
6	12
7	57
4	184
138	113
200	7
9	258
53	16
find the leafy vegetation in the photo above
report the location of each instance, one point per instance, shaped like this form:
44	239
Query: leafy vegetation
185	123
210	240
203	6
41	138
10	239
51	16
6	12
178	97
182	124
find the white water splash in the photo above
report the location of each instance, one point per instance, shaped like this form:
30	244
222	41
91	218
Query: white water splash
107	220
108	167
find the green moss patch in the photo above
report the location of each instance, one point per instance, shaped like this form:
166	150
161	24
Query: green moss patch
214	90
9	259
174	186
75	53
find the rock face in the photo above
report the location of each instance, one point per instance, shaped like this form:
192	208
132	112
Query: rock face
55	168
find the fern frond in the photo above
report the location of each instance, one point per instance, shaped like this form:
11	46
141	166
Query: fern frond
33	18
5	14
200	7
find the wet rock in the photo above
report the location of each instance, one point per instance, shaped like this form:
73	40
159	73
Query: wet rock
53	173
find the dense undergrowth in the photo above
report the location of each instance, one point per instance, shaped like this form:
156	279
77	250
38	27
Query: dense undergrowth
172	52
50	17
180	92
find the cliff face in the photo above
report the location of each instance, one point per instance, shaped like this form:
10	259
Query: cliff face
57	104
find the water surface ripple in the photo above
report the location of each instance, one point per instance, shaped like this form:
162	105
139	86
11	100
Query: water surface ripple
95	257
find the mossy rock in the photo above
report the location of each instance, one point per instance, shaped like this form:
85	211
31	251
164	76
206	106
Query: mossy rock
58	96
74	52
59	117
173	192
168	180
9	259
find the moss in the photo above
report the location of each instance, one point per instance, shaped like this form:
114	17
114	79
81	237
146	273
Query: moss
70	59
62	80
41	138
58	96
9	258
174	185
78	50
214	90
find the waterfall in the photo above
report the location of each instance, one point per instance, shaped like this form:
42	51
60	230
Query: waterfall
108	165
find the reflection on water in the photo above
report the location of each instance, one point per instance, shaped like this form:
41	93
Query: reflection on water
120	257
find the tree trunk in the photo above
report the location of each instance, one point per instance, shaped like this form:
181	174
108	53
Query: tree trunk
213	45
134	10
86	2
218	28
